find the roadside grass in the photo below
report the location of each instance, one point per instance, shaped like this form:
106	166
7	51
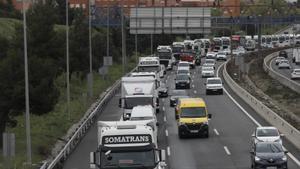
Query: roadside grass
48	128
7	27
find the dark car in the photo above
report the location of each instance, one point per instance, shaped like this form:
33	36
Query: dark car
175	95
267	155
198	60
182	81
162	90
283	53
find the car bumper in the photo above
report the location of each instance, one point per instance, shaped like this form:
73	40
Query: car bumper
217	90
163	94
265	164
182	86
193	129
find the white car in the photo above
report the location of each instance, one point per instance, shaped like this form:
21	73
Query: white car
266	134
207	71
284	64
278	59
221	56
295	74
209	62
183	64
214	85
211	55
145	113
184	70
227	51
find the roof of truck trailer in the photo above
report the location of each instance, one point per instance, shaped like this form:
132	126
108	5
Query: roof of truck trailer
192	102
138	79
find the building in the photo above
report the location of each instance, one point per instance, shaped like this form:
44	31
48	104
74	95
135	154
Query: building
19	4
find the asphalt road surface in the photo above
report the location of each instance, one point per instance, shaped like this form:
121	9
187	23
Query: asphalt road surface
230	133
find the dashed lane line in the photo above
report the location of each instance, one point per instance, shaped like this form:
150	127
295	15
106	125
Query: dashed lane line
227	151
216	131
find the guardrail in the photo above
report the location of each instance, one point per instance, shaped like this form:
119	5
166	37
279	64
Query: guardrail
277	76
290	132
87	122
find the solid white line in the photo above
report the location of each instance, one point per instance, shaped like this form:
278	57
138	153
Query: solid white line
167	133
168	151
227	151
164	108
165	118
256	122
216	131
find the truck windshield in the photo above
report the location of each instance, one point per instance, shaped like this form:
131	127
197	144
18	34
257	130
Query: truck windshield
164	55
138	101
128	159
193	112
177	49
149	68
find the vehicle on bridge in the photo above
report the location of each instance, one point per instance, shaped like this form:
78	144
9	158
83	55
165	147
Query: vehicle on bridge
182	81
137	91
250	45
284	64
192	117
127	144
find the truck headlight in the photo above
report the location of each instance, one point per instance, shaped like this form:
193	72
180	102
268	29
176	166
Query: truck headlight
206	122
257	158
284	158
181	123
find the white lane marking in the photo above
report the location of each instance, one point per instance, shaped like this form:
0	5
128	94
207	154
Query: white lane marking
192	80
166	80
163	100
195	91
193	86
165	118
164	108
227	151
216	131
256	122
195	72
168	151
167	133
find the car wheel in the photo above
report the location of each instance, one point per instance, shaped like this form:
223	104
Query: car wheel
221	92
207	92
207	134
180	135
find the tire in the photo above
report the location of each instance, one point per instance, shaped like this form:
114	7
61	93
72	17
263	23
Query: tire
207	92
207	134
180	135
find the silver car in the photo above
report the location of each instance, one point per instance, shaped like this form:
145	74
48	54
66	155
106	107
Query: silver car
207	71
295	74
284	64
278	59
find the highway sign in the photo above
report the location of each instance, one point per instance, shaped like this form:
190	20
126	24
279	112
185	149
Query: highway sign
107	60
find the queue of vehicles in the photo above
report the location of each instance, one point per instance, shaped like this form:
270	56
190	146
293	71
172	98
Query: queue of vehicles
132	142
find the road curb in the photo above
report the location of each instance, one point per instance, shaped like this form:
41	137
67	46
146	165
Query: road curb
290	132
277	76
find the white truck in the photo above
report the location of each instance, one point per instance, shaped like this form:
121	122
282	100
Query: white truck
296	56
137	91
250	45
147	74
165	56
126	144
149	64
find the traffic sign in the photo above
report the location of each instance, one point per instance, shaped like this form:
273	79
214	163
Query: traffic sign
107	60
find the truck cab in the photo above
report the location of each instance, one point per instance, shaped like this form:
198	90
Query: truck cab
149	64
137	91
192	117
126	144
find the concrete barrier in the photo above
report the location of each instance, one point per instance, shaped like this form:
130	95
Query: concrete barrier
290	132
277	76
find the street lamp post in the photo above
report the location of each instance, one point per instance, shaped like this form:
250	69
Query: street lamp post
27	113
90	80
67	60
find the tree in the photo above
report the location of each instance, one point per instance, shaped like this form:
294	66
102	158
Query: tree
4	44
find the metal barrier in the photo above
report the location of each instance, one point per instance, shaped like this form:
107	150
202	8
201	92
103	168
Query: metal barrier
277	76
290	132
84	126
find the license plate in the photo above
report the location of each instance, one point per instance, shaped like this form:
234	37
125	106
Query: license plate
271	168
194	131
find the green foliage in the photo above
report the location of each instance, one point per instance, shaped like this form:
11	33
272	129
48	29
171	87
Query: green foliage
7	27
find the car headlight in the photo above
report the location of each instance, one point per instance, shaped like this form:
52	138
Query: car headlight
284	158
181	123
257	158
206	122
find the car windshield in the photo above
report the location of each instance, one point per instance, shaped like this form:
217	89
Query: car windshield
128	159
268	148
149	68
137	101
267	133
214	81
141	118
193	112
209	62
182	71
182	77
183	64
221	53
284	61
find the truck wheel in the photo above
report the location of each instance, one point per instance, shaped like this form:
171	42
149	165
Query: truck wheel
180	135
207	134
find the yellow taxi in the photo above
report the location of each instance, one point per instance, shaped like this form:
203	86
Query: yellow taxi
192	117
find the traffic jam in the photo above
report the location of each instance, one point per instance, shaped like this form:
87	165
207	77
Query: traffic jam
134	141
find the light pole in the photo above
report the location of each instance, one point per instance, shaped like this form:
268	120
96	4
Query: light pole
136	6
67	60
27	113
90	80
123	39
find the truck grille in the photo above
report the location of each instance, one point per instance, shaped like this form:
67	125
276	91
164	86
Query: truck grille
194	126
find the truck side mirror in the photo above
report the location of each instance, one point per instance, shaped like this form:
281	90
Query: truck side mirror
92	160
120	102
162	155
209	116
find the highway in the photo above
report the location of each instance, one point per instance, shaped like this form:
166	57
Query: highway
227	147
285	72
